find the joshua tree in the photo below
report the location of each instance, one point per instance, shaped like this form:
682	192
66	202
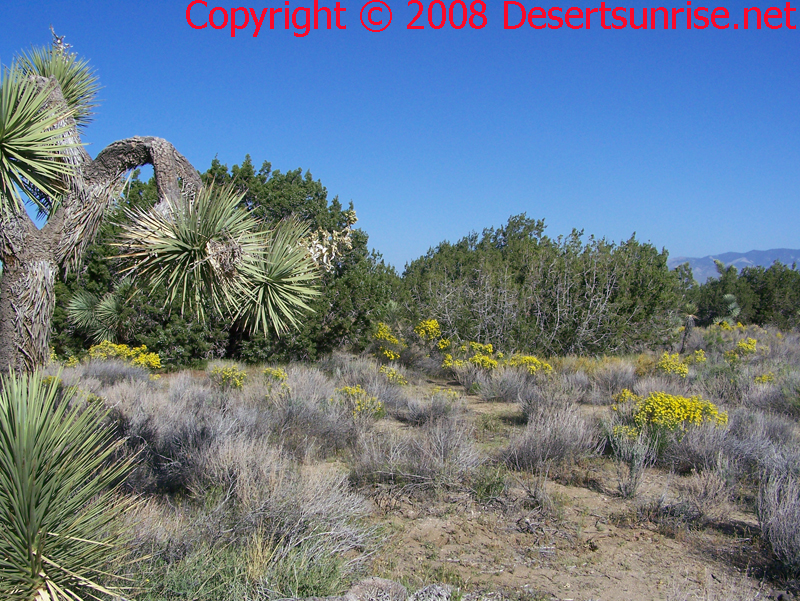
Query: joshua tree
199	242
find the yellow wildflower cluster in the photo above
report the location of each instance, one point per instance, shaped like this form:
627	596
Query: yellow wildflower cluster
362	404
484	361
428	330
699	356
443	344
276	375
742	349
767	378
137	356
446	393
534	364
228	377
672	364
625	432
450	363
394	376
672	412
390	345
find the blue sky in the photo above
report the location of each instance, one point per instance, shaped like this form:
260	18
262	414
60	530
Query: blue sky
691	139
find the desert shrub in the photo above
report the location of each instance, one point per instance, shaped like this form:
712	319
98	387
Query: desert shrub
365	372
291	529
552	392
440	404
695	449
552	437
649	384
395	375
672	365
228	377
137	356
779	516
709	494
634	451
305	420
388	345
442	453
110	372
469	376
505	384
610	378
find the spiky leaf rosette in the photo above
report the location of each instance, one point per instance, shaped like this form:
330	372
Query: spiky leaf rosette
280	281
32	141
207	247
78	82
58	501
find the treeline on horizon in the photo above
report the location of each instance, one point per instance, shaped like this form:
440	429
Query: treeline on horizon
512	286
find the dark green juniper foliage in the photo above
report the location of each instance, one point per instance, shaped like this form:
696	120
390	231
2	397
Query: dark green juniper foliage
519	289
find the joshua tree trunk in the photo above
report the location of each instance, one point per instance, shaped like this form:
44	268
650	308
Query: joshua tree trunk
32	258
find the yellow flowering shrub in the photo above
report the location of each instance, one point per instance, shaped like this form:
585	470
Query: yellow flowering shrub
428	330
449	362
394	376
672	364
137	356
362	404
485	361
662	411
228	377
767	378
743	348
443	344
673	412
275	376
534	364
699	356
390	345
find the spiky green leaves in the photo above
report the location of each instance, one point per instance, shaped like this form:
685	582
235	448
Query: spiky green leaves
103	318
58	501
32	141
78	82
209	251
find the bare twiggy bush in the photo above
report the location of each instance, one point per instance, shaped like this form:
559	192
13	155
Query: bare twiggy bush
611	378
469	376
709	493
554	391
779	515
440	453
633	455
697	448
553	436
505	384
438	406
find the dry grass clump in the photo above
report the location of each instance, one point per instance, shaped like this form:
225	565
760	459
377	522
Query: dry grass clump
779	515
439	405
504	384
441	453
553	436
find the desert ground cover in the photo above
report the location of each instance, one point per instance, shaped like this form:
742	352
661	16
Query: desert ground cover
652	476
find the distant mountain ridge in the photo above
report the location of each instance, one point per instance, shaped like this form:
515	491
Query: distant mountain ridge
704	267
